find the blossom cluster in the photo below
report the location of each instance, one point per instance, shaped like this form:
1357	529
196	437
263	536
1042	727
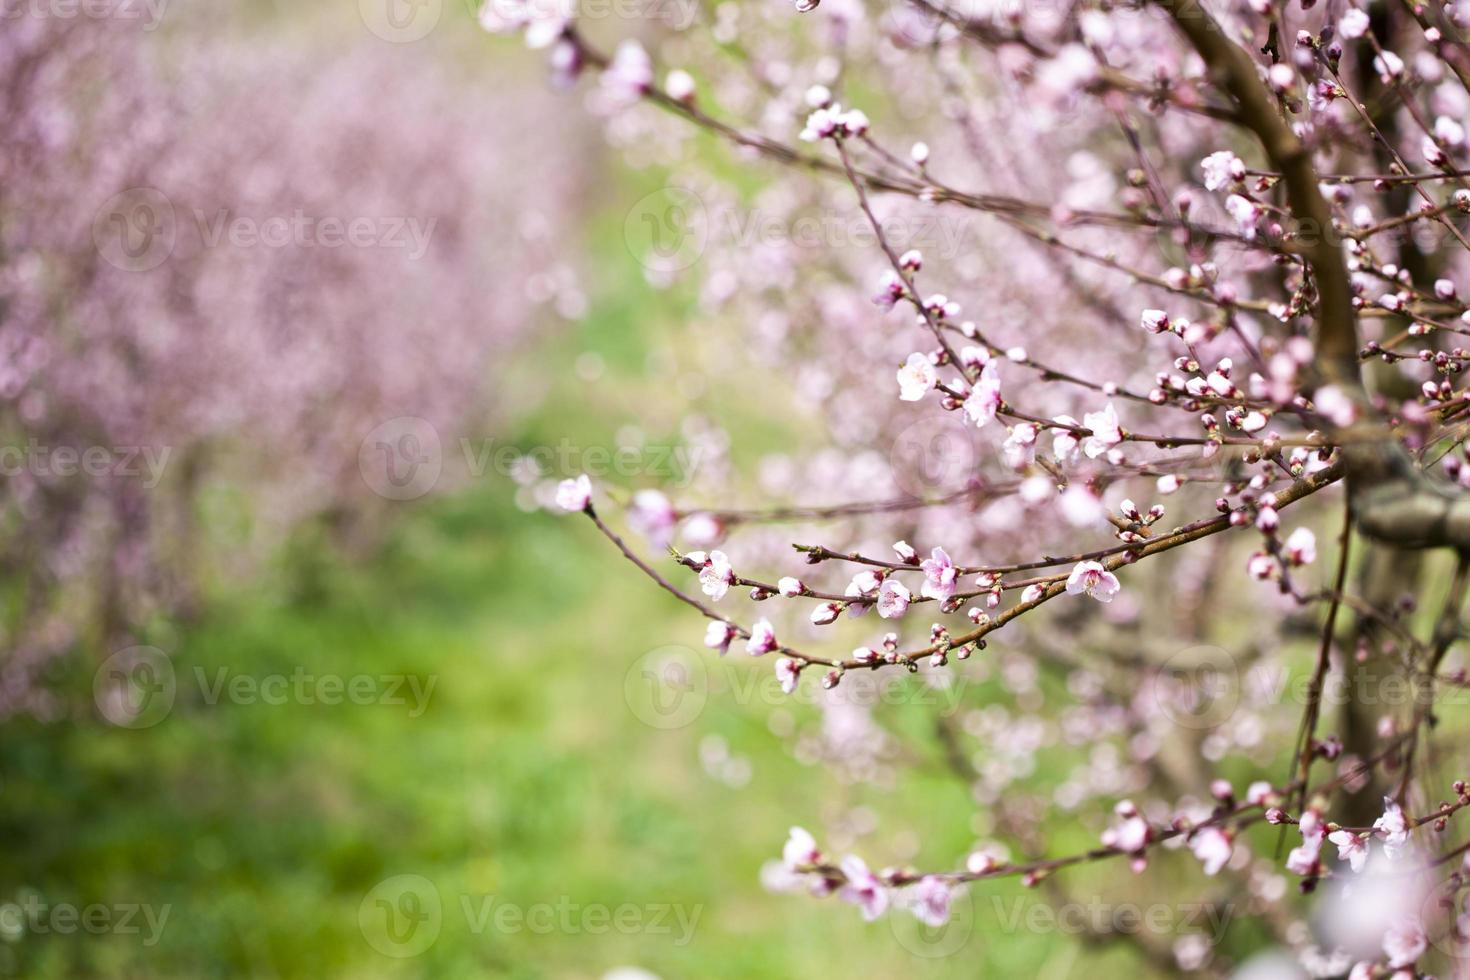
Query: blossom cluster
1190	233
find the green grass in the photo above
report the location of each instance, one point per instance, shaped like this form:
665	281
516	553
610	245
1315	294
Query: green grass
528	778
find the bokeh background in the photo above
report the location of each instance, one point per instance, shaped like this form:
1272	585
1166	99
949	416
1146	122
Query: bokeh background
362	444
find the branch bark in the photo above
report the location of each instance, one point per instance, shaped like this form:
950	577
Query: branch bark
1393	500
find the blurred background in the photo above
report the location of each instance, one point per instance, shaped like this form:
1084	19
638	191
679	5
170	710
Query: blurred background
304	310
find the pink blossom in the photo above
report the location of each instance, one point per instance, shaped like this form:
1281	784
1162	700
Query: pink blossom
1388	65
629	75
1353	24
940	576
788	671
1065	443
890	290
653	516
1020	446
863	888
1155	321
800	850
984	401
1304	859
916	378
1393	828
825	614
1335	405
790	587
716	577
1092	579
1221	168
1106	433
542	20
980	862
1405	941
762	638
1131	834
680	85
1247	214
1301	547
893	599
1350	848
1212	846
574	495
1080	506
1267	519
864	584
931	900
717	636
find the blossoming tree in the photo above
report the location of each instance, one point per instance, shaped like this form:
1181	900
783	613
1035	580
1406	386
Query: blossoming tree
227	362
1220	260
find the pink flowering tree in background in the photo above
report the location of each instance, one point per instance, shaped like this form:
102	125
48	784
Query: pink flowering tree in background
1126	355
171	300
